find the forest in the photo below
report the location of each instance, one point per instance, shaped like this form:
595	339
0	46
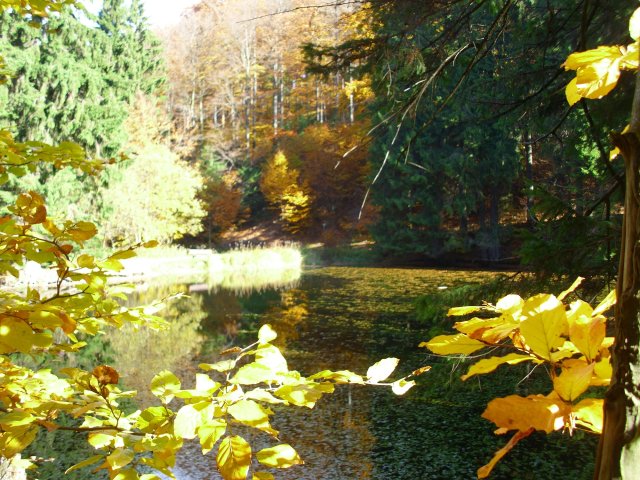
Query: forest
480	134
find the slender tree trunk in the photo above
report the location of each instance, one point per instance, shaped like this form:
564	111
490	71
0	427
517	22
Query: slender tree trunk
528	146
619	448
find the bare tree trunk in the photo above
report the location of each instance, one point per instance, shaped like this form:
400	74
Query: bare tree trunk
619	448
528	146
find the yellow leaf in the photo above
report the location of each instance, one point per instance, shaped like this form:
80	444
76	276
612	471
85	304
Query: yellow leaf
458	311
261	395
15	336
341	376
221	366
522	413
485	471
589	413
402	386
165	385
253	373
280	456
15	419
303	395
100	440
120	458
266	334
128	474
634	25
381	370
252	414
272	358
631	58
585	59
489	331
488	365
453	344
85	463
608	302
17	439
578	309
81	231
587	334
263	476
86	261
602	372
573	380
543	331
569	290
186	421
210	432
234	458
510	305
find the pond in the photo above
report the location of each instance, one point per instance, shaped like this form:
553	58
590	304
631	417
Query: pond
348	318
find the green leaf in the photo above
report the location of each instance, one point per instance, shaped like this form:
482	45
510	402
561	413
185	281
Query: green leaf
381	370
234	458
280	456
164	386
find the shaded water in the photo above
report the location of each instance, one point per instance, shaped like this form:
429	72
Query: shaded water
339	318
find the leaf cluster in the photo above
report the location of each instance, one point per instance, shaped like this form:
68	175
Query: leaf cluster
568	340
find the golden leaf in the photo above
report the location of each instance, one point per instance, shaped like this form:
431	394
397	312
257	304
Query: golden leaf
543	330
253	415
459	311
569	290
280	456
488	365
587	334
574	379
522	413
485	471
608	302
579	60
453	344
589	413
234	458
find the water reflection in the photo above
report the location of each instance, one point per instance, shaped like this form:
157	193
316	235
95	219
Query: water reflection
336	318
140	353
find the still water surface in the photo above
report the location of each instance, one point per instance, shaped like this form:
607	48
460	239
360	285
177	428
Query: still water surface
334	318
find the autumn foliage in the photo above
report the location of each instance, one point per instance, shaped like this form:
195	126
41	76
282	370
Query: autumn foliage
569	341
